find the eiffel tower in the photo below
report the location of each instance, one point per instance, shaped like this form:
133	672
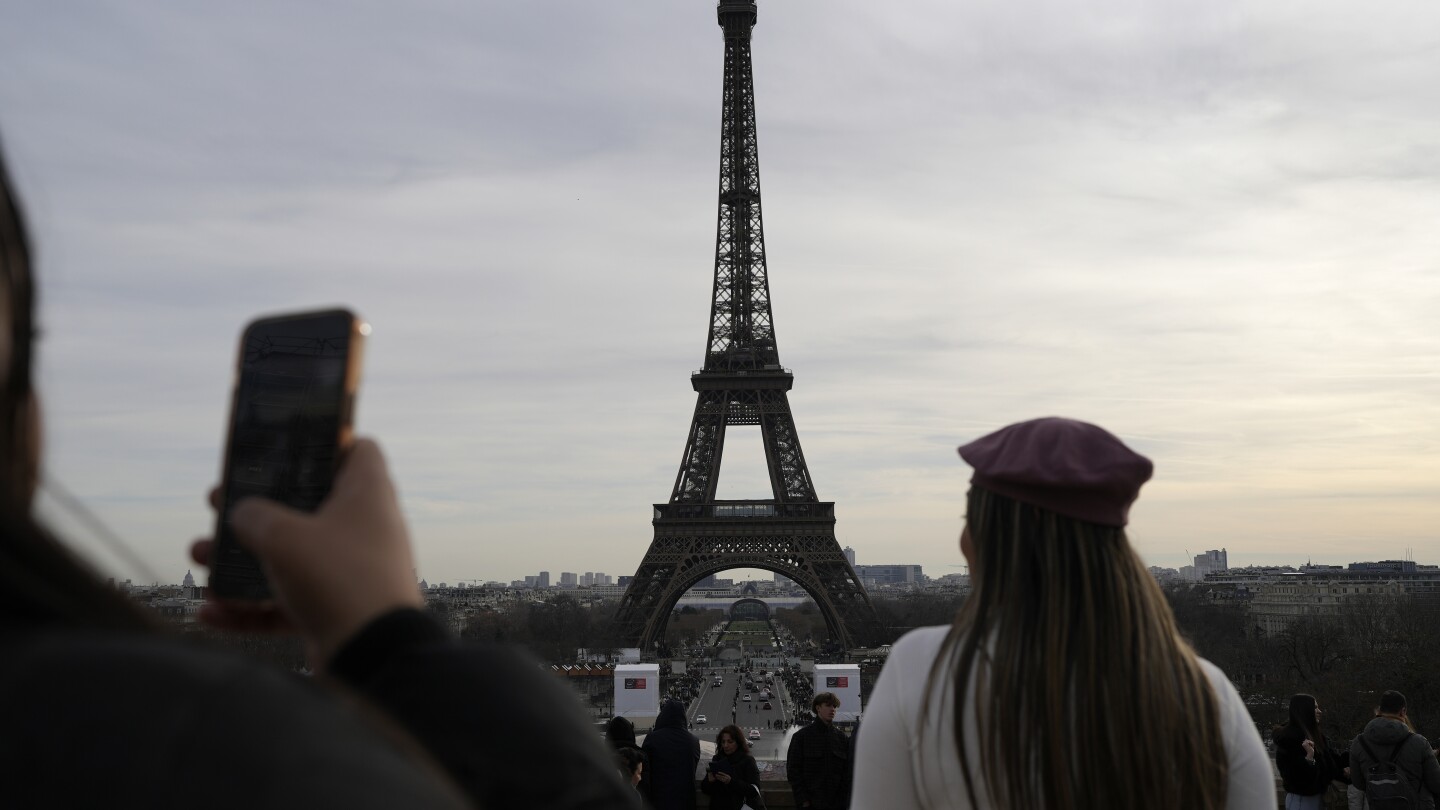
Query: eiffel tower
742	383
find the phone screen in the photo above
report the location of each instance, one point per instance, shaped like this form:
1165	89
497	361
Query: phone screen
290	421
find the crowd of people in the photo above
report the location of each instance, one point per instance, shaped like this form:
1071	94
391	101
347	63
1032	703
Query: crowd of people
1063	681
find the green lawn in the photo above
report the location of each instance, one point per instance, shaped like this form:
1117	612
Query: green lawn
749	627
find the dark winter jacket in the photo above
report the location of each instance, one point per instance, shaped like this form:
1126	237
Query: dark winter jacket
819	768
743	773
104	720
1305	777
673	754
1415	758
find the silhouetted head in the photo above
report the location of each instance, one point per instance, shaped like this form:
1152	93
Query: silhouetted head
1392	702
1303	719
620	733
19	434
41	583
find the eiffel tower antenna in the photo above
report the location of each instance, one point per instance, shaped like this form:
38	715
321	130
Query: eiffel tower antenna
742	382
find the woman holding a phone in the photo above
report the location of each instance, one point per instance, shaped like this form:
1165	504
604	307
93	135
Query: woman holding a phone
103	709
731	778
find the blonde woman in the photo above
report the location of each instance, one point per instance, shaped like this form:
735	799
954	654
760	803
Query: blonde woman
1063	682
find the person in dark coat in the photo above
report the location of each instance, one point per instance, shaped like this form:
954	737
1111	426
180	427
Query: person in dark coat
1306	760
673	754
732	772
1389	736
818	762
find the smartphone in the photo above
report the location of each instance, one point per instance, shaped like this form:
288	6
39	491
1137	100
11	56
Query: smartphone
291	418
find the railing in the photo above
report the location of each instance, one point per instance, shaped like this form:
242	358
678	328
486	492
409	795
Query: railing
745	510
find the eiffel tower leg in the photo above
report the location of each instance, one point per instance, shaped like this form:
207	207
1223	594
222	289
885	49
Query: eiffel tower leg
789	477
700	466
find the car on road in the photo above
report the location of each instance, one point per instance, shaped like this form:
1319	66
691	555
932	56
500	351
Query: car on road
754	733
700	719
746	698
767	705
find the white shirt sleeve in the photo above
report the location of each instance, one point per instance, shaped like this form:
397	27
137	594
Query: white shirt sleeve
1252	778
885	757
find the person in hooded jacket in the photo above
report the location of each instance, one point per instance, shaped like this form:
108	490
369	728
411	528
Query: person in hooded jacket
1305	758
1415	758
673	754
732	772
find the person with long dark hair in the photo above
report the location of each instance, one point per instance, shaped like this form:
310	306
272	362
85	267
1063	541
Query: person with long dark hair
1063	681
732	775
1306	760
101	709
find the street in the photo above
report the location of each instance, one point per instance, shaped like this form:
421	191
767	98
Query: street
716	703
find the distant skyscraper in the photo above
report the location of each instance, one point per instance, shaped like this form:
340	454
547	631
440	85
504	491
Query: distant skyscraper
587	579
544	579
568	579
850	556
1211	562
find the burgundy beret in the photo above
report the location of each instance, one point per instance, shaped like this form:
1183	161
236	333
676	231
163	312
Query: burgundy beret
1072	468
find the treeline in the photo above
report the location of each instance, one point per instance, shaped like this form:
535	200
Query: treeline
896	616
553	630
1376	642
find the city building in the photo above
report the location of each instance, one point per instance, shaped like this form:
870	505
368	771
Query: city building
1210	562
1281	600
850	556
881	576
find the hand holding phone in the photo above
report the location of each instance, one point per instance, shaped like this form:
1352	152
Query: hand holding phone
290	422
330	570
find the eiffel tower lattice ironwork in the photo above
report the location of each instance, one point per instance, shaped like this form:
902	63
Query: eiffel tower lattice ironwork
742	383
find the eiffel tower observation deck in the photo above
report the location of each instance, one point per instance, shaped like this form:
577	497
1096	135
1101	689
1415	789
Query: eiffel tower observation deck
742	383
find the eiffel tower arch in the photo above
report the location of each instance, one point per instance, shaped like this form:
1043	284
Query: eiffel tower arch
742	382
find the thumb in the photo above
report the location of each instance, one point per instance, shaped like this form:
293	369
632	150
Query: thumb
265	527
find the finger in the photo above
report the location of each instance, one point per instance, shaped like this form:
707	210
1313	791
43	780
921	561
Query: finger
363	471
202	550
265	527
214	498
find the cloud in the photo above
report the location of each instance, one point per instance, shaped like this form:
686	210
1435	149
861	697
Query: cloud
1208	228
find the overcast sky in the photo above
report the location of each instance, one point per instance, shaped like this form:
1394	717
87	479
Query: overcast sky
1212	228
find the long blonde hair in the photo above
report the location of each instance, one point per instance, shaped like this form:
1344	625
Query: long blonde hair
1085	693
